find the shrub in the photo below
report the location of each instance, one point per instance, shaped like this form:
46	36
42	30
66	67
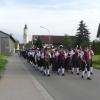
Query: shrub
2	64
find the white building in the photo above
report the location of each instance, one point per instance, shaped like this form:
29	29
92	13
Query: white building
25	35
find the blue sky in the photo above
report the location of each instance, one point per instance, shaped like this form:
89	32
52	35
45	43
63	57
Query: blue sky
59	16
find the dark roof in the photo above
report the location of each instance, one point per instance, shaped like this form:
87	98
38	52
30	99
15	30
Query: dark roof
53	38
9	36
98	33
12	38
57	39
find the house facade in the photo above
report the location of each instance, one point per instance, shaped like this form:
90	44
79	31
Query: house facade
7	43
55	40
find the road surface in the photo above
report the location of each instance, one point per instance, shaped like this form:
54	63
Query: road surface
22	82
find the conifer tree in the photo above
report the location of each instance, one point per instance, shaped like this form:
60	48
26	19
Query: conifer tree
82	36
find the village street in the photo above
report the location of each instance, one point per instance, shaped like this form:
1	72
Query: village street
22	82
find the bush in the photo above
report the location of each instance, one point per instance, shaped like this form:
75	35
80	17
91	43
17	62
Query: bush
96	47
2	64
96	61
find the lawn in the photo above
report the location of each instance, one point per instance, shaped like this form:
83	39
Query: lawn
96	61
2	64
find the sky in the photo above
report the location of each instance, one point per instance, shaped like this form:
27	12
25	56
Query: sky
60	17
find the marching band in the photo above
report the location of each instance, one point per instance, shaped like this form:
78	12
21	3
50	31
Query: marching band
60	60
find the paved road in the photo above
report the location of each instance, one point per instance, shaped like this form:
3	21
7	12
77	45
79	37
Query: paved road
19	84
22	82
69	87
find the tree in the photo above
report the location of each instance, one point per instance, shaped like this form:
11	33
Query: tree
96	47
28	45
82	36
38	43
68	41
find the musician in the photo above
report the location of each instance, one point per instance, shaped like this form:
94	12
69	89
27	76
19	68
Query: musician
47	62
87	62
91	54
61	61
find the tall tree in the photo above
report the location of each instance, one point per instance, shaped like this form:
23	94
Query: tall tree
82	36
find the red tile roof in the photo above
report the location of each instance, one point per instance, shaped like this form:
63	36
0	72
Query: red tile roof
53	39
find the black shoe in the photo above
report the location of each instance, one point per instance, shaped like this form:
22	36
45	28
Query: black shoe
82	77
48	75
85	72
78	73
63	74
91	73
88	78
72	72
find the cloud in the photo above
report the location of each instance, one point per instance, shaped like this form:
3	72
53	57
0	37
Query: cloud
59	17
54	4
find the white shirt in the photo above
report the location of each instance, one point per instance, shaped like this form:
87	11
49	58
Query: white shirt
81	54
42	55
56	53
33	53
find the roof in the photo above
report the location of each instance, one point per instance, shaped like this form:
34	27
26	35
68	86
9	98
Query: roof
9	36
53	39
98	32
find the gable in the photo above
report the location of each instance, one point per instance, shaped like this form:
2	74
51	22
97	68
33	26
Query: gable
5	35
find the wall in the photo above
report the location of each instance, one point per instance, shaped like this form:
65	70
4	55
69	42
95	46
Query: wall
11	46
6	44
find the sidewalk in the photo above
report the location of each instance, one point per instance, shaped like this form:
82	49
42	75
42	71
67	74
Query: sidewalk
18	83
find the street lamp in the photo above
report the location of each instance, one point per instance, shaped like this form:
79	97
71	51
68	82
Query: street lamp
48	32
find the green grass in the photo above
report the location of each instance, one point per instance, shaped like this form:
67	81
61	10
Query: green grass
2	64
96	61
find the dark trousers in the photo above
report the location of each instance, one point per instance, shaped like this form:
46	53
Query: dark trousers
68	63
61	64
38	63
86	65
47	64
75	64
42	62
54	64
